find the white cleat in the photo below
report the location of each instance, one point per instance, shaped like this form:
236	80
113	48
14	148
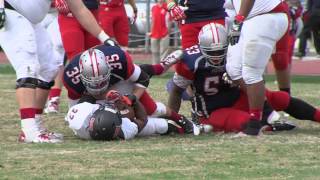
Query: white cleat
38	138
205	128
52	105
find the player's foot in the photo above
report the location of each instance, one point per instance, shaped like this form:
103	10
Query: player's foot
37	137
52	105
44	130
205	128
252	127
188	126
171	59
279	123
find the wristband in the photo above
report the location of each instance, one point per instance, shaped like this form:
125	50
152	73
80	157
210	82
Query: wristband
239	18
102	36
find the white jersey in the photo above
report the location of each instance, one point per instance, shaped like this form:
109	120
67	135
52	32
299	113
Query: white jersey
79	115
259	7
33	10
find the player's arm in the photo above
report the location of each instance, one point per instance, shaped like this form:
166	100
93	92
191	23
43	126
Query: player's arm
140	113
137	76
86	19
133	5
245	8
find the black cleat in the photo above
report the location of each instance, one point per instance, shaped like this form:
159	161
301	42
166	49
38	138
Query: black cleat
189	126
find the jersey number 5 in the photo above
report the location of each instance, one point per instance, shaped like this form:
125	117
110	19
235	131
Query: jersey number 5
210	85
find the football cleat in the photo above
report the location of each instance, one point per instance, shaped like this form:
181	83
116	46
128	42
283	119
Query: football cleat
282	126
171	59
189	126
38	138
205	128
52	105
44	130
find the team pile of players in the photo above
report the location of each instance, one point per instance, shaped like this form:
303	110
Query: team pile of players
226	46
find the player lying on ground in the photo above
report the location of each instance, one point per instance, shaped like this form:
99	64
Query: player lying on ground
102	68
119	117
217	102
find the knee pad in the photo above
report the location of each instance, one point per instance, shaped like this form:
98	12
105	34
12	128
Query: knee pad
256	57
233	71
45	85
31	83
160	110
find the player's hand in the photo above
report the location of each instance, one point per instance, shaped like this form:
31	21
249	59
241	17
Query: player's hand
176	12
110	42
235	30
2	17
133	19
113	96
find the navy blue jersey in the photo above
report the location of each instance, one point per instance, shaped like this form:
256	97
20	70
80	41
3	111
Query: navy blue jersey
122	68
91	4
203	10
210	91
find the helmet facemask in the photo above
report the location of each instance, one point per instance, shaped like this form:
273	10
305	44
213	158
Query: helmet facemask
215	55
96	85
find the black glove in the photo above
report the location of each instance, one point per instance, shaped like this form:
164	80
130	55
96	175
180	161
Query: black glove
2	17
110	42
235	30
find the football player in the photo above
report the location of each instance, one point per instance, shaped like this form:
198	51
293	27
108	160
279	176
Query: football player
120	117
34	72
218	102
114	20
102	68
252	44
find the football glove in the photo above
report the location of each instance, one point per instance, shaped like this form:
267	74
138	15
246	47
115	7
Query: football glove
61	6
2	17
110	42
235	30
176	12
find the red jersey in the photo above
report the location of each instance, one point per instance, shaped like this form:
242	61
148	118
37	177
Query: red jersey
159	21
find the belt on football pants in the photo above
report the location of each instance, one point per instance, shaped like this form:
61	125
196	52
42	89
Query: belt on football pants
8	6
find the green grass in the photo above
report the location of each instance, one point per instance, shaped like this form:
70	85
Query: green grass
286	155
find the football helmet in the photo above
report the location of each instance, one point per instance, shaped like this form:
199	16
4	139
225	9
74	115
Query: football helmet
94	71
213	43
105	123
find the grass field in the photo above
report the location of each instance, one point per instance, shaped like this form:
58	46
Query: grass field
286	155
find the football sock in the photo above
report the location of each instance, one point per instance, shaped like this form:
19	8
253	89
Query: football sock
301	110
256	113
55	92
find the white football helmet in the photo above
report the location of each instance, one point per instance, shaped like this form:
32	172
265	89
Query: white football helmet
213	42
94	71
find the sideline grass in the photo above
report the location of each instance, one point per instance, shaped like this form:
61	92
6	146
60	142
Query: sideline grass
287	155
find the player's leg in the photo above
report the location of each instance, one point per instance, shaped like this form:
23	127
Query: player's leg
154	126
55	92
107	19
155	50
164	46
258	44
281	63
21	49
297	108
49	66
121	27
72	35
